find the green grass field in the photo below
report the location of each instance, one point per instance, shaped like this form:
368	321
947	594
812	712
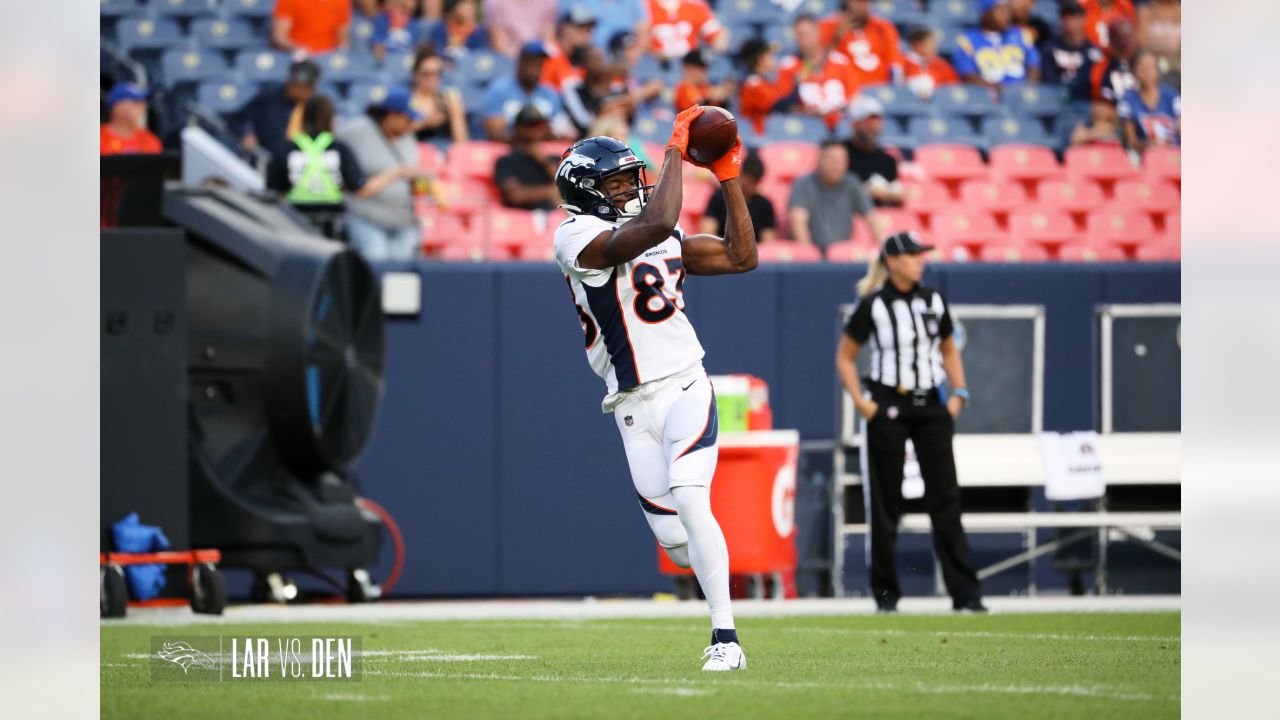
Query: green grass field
1095	665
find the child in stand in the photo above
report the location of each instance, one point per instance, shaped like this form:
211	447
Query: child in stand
924	69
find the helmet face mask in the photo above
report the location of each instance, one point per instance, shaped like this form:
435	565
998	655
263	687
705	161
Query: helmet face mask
583	175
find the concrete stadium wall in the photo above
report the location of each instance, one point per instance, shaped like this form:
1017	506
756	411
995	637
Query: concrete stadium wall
494	458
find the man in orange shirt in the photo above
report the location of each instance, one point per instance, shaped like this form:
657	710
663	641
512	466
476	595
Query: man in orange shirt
678	26
316	26
125	131
870	43
815	81
925	70
572	32
1099	15
695	86
758	94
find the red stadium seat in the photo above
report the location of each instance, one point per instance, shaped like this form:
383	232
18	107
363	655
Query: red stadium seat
1126	228
926	198
851	251
1157	197
474	159
475	253
696	195
1102	163
996	253
1073	196
970	228
1043	228
996	196
1091	252
1164	249
508	227
788	251
1025	163
430	158
950	163
1173	226
899	220
441	229
789	160
1163	163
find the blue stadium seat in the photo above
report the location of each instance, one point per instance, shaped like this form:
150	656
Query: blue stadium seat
899	102
738	34
720	69
1038	100
331	91
225	96
481	67
117	8
180	8
816	8
398	67
955	130
361	33
793	128
783	35
649	67
968	100
901	140
651	129
903	13
179	67
148	34
224	34
345	67
365	93
764	12
953	13
262	66
1010	130
258	9
947	41
750	138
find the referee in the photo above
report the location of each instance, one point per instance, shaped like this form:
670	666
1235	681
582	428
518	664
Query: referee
913	352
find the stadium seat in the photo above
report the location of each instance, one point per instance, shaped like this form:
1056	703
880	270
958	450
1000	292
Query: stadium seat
696	195
1163	163
998	131
1025	163
191	66
789	160
117	8
926	198
899	220
397	67
179	8
967	100
782	36
134	34
1073	196
225	98
953	13
475	253
465	197
763	12
851	251
361	33
474	159
1106	163
1091	252
967	227
345	67
1173	227
1033	100
262	66
1155	197
430	158
224	34
1164	249
1127	228
739	33
788	251
650	67
949	162
481	67
997	253
1049	229
823	8
508	227
945	130
648	129
899	103
258	9
996	196
795	128
440	230
903	13
366	93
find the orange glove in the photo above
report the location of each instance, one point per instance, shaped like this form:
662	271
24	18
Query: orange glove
729	165
680	132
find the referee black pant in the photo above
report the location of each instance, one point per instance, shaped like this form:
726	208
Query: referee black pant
924	419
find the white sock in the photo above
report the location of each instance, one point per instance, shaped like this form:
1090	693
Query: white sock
708	552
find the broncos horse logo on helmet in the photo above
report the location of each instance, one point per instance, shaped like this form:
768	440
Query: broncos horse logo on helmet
582	173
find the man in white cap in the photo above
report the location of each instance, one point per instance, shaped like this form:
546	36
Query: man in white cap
877	169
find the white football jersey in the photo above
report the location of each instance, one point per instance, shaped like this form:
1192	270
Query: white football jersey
632	315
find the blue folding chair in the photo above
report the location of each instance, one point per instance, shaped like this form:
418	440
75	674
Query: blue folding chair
146	33
795	128
345	67
224	34
955	130
1012	130
262	66
763	12
180	8
967	100
225	96
481	67
1039	100
186	67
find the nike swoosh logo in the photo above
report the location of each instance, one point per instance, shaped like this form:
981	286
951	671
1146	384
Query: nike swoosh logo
686	387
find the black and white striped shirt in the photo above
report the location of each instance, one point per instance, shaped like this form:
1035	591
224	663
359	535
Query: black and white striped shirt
906	330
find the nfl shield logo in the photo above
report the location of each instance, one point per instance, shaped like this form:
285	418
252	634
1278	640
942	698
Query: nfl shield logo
931	325
628	421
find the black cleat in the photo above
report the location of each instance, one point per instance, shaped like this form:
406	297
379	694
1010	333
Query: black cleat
973	605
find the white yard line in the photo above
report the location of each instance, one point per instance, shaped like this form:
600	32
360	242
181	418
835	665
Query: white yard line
352	697
678	691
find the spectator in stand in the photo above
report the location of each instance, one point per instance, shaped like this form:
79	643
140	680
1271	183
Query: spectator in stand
1160	31
696	88
1113	78
1069	58
1151	114
814	81
614	16
573	31
624	52
823	203
515	23
458	33
380	218
1035	30
758	94
125	131
313	170
996	54
316	26
870	43
1102	128
395	28
275	114
926	71
877	169
596	94
506	96
1100	15
443	117
525	178
678	26
759	207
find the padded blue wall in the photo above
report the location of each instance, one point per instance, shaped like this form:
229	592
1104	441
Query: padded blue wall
493	456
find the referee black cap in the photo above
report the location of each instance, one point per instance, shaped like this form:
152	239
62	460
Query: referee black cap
903	243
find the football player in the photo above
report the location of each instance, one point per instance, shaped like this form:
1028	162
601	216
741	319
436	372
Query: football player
625	259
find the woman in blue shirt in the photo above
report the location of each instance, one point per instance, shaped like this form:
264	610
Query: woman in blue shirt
1151	113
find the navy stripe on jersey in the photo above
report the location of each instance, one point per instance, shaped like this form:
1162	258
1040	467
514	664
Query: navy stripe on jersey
652	509
604	306
710	432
